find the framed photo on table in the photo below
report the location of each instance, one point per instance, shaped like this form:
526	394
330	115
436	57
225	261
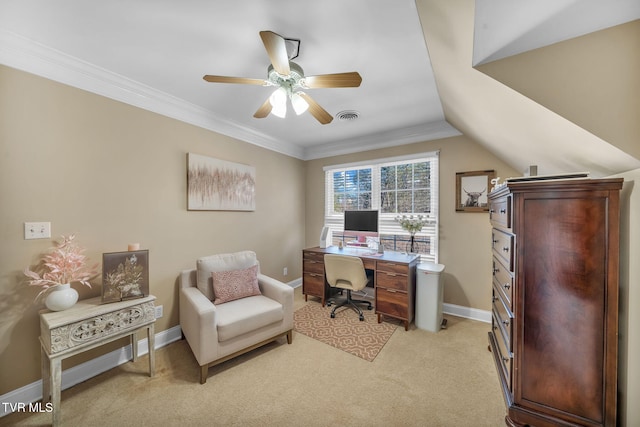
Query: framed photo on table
125	275
472	189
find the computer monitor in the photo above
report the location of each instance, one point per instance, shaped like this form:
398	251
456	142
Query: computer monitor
361	224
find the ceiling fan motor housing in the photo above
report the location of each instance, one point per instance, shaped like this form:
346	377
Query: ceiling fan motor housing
291	81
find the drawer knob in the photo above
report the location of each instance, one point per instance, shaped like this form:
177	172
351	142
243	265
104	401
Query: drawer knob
393	291
503	211
505	359
495	298
506	286
392	274
505	249
505	322
495	270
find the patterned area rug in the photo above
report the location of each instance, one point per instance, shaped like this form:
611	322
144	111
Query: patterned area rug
346	332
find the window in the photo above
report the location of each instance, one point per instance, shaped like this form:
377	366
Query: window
397	186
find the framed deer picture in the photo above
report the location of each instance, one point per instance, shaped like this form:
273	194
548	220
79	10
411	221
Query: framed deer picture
472	189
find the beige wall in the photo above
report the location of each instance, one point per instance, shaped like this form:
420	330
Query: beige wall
629	333
114	174
591	80
464	237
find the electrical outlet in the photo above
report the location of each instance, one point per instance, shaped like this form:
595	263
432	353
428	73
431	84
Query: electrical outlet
285	271
37	230
159	312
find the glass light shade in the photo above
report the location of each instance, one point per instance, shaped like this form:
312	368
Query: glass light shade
278	101
299	104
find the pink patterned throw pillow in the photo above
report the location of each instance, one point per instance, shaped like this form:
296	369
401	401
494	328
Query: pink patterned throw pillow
235	284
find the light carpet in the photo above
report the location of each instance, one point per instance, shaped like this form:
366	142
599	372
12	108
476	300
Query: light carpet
346	332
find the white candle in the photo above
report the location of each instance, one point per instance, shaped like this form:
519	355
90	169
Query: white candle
134	246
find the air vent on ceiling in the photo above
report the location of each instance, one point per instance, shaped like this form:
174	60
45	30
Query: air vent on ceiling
348	115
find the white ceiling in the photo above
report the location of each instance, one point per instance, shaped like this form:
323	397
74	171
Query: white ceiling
153	54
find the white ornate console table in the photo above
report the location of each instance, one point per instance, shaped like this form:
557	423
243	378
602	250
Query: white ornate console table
87	325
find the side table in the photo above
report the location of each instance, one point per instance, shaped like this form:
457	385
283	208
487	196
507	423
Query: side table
87	325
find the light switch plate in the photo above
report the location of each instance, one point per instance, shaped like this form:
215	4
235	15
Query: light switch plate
37	230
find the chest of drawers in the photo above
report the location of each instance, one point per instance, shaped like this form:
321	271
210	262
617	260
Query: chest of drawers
555	248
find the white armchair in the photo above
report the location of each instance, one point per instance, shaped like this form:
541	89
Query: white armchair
221	331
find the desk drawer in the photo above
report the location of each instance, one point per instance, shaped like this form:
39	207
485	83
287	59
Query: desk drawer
392	302
313	284
392	267
391	281
313	266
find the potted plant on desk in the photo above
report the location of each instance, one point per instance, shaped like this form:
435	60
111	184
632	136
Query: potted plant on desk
412	225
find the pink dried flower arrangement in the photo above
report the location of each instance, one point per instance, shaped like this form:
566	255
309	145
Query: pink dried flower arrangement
64	264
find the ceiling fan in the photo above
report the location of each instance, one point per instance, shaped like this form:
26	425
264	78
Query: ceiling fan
291	82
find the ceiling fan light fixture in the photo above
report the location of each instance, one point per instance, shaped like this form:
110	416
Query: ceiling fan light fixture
278	101
299	104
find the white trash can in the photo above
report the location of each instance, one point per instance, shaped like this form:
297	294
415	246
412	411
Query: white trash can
429	290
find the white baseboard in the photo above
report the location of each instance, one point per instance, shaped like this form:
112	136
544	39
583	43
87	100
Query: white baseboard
467	312
295	283
77	374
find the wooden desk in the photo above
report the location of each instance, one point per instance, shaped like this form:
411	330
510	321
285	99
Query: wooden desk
87	325
394	278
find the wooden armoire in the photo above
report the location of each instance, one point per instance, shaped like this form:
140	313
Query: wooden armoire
554	334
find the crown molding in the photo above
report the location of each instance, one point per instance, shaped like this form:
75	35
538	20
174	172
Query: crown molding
392	138
27	55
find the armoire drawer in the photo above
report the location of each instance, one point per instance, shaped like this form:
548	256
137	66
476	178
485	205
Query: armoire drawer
504	356
500	212
503	280
504	318
503	246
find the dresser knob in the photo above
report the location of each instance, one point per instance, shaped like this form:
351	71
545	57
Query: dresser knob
505	322
503	211
506	286
505	249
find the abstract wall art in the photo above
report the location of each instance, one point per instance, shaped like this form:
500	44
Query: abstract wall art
214	184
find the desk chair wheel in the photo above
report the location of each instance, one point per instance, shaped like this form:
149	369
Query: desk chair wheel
362	318
333	315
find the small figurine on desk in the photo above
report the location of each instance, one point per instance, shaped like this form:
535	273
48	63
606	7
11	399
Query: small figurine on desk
340	244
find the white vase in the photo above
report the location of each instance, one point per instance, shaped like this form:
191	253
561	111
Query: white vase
61	297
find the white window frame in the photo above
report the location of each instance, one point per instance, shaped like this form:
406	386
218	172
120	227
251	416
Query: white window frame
387	225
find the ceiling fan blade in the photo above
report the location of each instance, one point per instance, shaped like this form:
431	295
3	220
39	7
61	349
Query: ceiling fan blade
316	110
240	80
264	110
352	79
277	51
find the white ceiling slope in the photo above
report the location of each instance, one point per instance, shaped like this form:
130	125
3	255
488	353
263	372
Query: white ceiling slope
153	54
505	27
512	126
